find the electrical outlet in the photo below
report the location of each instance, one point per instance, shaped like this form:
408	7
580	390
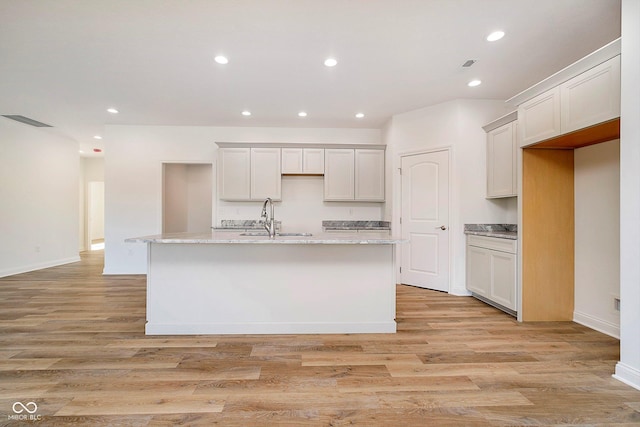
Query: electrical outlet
616	303
37	248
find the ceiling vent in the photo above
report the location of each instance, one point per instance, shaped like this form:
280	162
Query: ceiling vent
27	120
469	63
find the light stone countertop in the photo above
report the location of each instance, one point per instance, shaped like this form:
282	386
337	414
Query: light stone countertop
228	237
501	231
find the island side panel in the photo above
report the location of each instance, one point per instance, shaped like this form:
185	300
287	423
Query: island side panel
270	289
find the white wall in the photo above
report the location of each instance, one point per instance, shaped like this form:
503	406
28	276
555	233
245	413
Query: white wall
133	175
628	369
456	124
597	236
39	175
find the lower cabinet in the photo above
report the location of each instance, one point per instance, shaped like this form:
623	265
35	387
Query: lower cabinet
491	270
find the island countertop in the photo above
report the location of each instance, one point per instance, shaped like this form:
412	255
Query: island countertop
233	237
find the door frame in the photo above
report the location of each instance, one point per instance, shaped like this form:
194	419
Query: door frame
397	203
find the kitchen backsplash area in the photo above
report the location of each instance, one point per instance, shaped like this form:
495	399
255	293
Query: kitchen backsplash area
302	208
335	225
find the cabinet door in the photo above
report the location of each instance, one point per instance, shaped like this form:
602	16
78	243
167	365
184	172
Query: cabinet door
503	280
591	97
501	161
266	177
539	118
338	174
478	270
234	173
292	160
369	175
313	161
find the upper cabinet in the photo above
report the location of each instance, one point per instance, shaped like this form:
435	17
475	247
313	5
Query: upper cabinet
587	99
592	97
539	117
249	174
339	174
354	175
369	175
303	161
234	174
501	161
254	172
265	174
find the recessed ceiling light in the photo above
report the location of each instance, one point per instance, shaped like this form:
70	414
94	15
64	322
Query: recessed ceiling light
302	114
97	137
221	59
496	35
246	113
331	62
80	151
360	115
474	83
112	110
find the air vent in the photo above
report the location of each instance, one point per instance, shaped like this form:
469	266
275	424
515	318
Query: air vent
27	120
469	63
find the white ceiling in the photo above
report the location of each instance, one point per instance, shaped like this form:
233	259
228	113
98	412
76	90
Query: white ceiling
64	62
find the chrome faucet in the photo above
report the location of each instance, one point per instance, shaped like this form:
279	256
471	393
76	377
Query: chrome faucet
268	219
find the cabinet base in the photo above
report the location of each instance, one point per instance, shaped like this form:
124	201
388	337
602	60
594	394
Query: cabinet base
495	304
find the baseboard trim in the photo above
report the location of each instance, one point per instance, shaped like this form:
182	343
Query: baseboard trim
38	266
106	272
599	325
628	375
460	292
259	328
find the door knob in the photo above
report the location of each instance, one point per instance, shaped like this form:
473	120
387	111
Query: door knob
442	227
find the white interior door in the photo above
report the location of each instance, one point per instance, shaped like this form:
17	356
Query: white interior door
425	220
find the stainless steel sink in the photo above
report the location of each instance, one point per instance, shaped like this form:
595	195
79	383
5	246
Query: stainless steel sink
264	233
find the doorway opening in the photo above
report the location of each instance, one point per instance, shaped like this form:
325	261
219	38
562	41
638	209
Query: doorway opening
187	194
95	207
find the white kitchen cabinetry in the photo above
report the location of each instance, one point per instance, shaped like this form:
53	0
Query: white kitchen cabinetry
249	174
491	270
234	173
303	161
501	161
587	99
591	97
354	175
539	117
369	175
266	178
339	174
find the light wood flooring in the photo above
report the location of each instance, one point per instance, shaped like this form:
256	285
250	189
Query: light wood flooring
72	341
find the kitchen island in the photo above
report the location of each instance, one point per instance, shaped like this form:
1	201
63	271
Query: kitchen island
223	282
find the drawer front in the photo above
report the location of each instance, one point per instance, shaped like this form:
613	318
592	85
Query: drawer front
495	243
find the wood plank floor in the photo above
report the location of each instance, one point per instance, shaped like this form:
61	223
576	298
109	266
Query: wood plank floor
72	341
